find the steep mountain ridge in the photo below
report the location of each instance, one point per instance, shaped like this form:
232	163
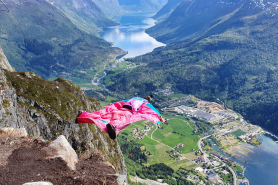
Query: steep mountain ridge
111	8
233	60
4	63
47	109
85	14
167	9
36	36
206	15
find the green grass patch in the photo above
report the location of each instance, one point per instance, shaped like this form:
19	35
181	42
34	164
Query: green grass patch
189	142
228	177
151	131
256	142
140	124
159	154
159	134
238	133
177	164
237	168
191	167
148	141
181	133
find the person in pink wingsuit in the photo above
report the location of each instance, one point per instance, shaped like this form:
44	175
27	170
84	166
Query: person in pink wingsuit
119	115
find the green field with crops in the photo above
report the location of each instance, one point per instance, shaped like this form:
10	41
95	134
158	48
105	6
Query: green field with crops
238	133
165	138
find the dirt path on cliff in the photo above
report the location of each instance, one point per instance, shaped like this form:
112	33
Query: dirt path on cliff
26	161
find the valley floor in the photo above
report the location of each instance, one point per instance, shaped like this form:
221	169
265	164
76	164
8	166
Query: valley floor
176	145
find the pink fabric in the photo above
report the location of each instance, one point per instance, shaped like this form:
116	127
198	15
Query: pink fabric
135	103
118	117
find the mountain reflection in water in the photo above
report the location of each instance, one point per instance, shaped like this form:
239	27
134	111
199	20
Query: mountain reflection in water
130	34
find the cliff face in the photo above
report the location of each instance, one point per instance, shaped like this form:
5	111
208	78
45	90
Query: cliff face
4	63
47	109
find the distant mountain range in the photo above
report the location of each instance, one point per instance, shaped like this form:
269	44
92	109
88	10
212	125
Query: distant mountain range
142	5
37	36
224	51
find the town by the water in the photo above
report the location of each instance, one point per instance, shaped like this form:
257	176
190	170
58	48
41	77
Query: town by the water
229	133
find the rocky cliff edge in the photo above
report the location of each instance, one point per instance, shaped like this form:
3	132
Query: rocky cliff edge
47	109
35	162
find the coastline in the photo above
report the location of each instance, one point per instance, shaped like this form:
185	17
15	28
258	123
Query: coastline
240	148
252	163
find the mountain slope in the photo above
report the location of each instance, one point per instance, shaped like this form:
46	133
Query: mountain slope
234	60
167	9
141	5
36	36
85	14
111	8
47	109
193	17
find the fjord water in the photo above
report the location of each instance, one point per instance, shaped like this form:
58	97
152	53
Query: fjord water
262	162
130	34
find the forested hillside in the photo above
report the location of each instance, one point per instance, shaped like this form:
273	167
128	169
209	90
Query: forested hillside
193	18
234	60
37	36
85	14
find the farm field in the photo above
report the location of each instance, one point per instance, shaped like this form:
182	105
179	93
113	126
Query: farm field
238	133
190	156
178	131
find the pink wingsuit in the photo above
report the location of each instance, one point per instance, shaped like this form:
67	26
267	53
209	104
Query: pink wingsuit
121	117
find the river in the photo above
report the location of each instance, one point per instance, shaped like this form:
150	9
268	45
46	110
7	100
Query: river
130	35
262	162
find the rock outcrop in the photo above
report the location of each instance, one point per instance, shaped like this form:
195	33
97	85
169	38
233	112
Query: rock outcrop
64	151
47	109
41	163
38	183
4	63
